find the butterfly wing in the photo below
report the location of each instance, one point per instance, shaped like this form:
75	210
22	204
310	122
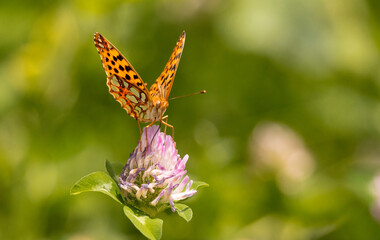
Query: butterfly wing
164	82
123	82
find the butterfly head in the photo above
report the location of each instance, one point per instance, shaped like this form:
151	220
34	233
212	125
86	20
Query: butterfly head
159	107
160	103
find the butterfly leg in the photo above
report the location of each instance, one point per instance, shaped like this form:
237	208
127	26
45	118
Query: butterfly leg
167	118
138	122
151	124
167	124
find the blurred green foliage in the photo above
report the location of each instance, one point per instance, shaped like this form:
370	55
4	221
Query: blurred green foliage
287	135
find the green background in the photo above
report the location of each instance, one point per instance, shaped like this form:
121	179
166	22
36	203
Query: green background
287	135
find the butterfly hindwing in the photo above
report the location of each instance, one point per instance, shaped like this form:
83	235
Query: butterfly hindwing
131	98
164	82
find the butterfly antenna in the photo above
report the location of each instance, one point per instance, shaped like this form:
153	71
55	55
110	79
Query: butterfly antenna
188	95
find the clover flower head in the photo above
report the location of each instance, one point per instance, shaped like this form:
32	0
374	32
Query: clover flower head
155	175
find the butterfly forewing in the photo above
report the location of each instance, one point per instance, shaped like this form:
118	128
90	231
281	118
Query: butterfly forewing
164	82
123	81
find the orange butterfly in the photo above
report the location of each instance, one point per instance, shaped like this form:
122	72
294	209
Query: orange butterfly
130	91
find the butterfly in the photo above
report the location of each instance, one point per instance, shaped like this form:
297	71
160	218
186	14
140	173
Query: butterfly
127	87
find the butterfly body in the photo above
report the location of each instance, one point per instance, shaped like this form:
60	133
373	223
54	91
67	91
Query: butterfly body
126	86
156	112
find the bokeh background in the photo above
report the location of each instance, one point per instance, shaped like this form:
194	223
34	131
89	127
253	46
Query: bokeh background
287	135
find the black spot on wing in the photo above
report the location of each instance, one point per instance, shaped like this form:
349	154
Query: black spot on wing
168	83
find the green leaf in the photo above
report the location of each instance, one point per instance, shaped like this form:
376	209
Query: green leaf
110	170
114	169
184	211
118	167
199	184
148	226
98	182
